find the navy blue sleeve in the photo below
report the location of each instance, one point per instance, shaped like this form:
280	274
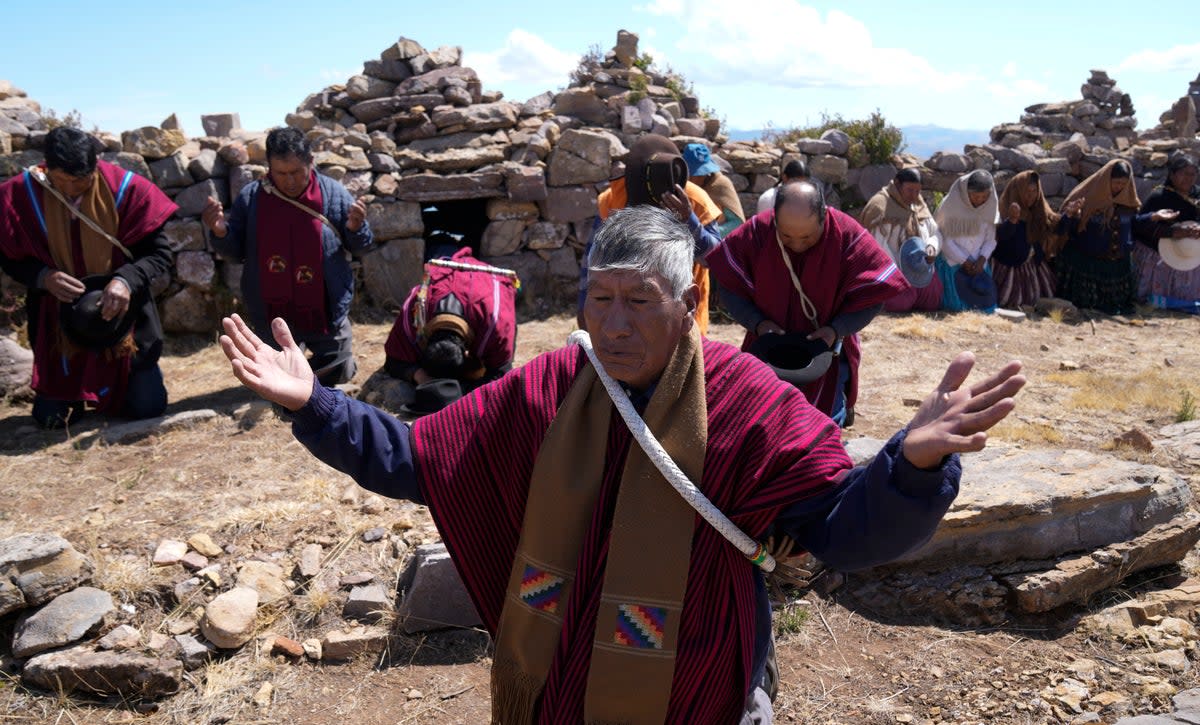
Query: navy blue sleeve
707	237
879	513
742	310
360	440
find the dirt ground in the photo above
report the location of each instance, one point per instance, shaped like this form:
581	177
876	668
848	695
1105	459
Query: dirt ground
246	482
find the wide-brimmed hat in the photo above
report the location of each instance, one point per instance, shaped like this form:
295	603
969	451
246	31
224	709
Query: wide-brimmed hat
699	160
915	265
1181	254
793	357
82	322
432	396
977	291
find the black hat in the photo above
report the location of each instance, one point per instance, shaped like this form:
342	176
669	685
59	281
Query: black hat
433	396
793	357
81	320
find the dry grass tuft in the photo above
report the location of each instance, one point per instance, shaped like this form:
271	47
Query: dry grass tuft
1155	390
1016	431
920	328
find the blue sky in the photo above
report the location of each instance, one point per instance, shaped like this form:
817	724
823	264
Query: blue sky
954	64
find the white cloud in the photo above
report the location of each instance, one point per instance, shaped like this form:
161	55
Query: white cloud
1009	70
1029	91
788	44
336	75
526	58
1176	58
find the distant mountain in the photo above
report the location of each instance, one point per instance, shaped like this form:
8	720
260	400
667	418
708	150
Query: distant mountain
921	140
924	141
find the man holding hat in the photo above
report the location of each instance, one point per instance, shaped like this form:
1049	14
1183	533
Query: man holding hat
86	239
804	268
609	599
704	172
458	325
657	175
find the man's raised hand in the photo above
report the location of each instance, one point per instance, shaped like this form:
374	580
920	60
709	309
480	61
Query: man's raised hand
213	217
280	376
954	419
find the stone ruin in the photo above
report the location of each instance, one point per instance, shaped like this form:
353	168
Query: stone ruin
434	153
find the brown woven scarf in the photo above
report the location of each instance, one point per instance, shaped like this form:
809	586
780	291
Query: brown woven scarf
99	205
633	650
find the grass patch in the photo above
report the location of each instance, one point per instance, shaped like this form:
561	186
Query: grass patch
791	619
1015	431
920	328
1151	389
1187	407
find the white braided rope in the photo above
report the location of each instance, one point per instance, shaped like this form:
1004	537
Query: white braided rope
662	461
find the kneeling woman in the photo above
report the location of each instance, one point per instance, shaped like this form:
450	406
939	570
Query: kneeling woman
1101	217
1025	242
1159	282
967	220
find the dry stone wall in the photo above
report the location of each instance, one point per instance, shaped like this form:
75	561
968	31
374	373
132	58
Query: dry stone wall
435	153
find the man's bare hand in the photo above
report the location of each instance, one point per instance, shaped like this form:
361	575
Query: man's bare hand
825	334
357	215
62	286
954	419
115	300
768	327
213	217
280	376
676	201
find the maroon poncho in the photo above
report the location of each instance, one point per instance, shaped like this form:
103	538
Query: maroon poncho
846	271
291	259
488	302
141	208
767	448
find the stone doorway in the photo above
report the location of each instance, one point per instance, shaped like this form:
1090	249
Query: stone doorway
451	225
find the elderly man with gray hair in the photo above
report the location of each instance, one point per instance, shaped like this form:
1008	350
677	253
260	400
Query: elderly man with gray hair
557	490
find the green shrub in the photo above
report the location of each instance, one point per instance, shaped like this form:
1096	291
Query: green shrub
1187	408
637	89
644	62
880	139
589	63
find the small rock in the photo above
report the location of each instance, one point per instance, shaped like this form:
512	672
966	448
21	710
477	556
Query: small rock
265	578
367	603
1044	347
1010	315
192	652
374	534
289	647
182	625
310	560
204	544
350	494
312	648
157	641
415	694
1135	438
194	561
373	505
262	698
360	577
1068	365
186	589
122	637
229	618
346	644
1174	660
169	552
912	402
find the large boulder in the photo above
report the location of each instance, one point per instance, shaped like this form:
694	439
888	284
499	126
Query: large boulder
433	593
68	618
569	204
220	125
122	674
190	310
479	117
228	620
35	568
582	103
483	184
16	365
171	172
152	142
191	200
364	88
1035	530
581	157
391	272
394	220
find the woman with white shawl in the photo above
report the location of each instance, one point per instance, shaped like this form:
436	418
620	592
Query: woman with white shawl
967	220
